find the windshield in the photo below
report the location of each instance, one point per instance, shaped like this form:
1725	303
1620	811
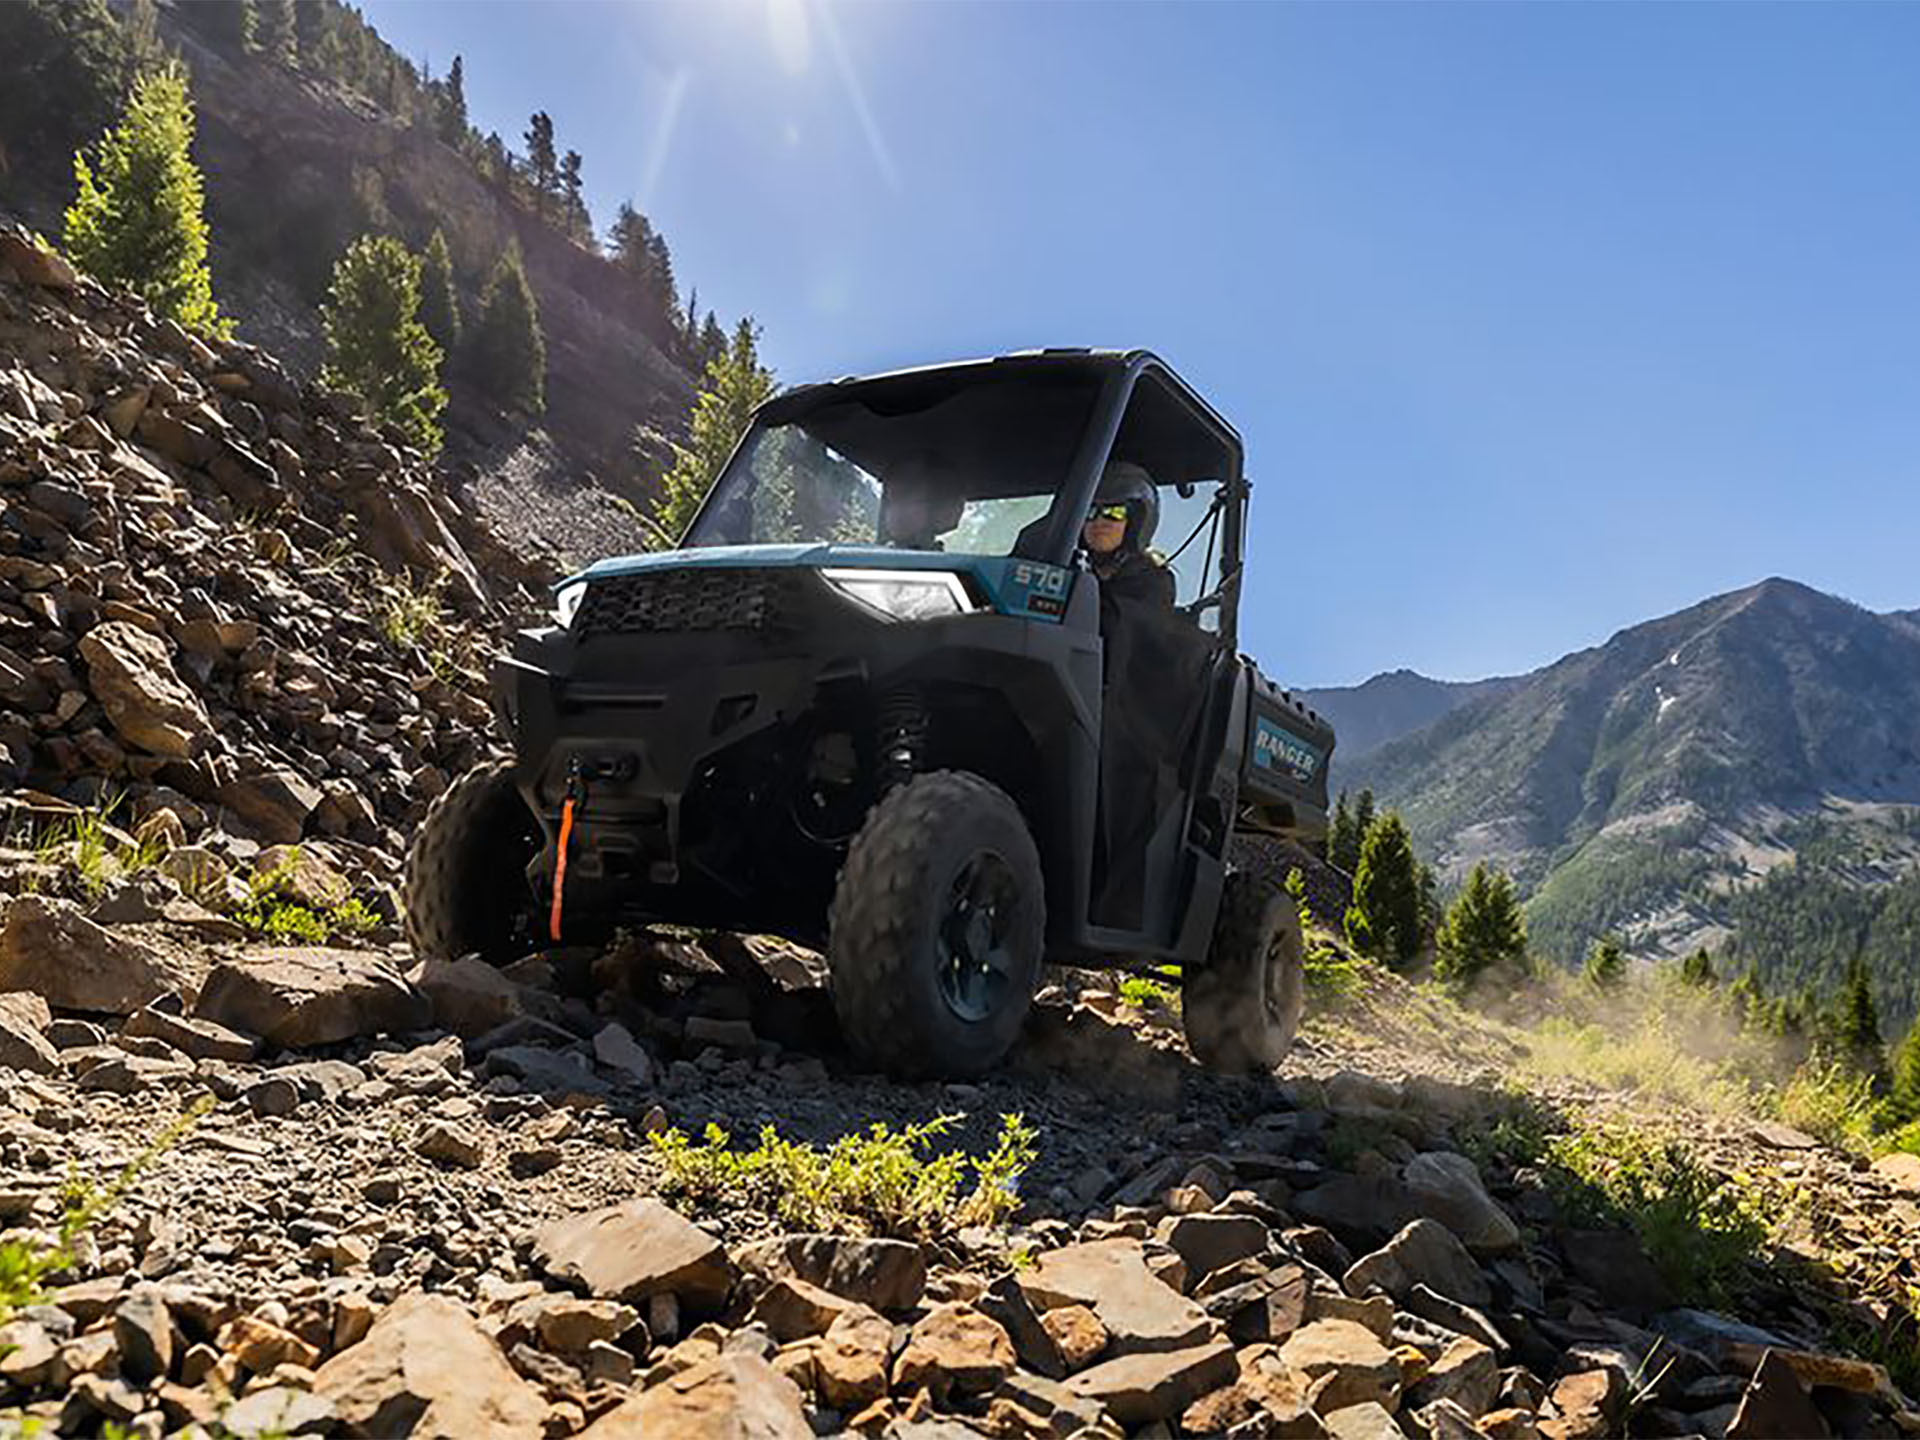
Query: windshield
964	460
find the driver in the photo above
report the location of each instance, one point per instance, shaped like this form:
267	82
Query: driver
1136	589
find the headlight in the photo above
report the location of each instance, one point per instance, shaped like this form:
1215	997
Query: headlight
566	602
904	594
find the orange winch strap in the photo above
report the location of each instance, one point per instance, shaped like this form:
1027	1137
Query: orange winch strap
560	869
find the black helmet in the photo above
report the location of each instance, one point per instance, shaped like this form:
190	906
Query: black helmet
1124	482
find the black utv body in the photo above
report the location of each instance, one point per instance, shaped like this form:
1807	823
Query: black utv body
872	703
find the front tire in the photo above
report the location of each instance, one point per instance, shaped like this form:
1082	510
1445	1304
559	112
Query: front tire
937	928
1242	1008
466	888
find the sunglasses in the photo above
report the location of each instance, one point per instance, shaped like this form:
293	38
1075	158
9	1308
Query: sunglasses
1107	512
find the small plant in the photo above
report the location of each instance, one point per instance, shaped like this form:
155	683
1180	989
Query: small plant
272	914
1831	1103
86	844
1144	994
884	1181
1699	1228
407	614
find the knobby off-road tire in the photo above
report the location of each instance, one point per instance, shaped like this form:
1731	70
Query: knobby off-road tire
1242	1007
937	928
466	888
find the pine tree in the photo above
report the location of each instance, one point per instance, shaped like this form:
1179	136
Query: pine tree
1343	841
1384	919
574	206
542	163
439	301
141	26
1483	929
231	24
1697	969
1362	818
279	32
451	122
1606	965
137	217
1856	1019
377	349
735	385
1748	995
713	340
510	355
1906	1075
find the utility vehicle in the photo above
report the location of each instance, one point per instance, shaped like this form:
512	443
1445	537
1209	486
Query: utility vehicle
863	706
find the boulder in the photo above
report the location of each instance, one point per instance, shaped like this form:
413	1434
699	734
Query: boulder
1776	1406
273	801
1466	1373
730	1397
634	1250
48	947
131	674
302	997
1344	1363
1615	1264
1141	1313
792	1309
195	1038
1140	1389
850	1363
1446	1186
1078	1333
1426	1253
469	996
301	875
954	1350
24	1018
1374	1206
1902	1171
885	1274
1212	1242
426	1369
1367	1421
568	1324
1585	1405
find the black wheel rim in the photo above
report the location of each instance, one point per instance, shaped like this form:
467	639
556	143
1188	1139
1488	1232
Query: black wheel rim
974	943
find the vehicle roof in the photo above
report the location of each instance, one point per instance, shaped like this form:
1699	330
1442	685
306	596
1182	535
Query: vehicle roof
1199	446
1060	361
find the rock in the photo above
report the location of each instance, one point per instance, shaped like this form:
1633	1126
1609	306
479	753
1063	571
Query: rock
1110	1277
1447	1188
143	1334
1078	1333
885	1274
616	1048
1033	1342
35	265
131	674
273	801
1034	1405
24	1019
1344	1363
1835	1372
1783	1137
955	1349
1900	1170
469	996
851	1361
1267	1396
50	948
1423	1253
731	1397
1369	1421
1585	1405
569	1324
1509	1423
275	1411
633	1250
1467	1373
792	1309
1212	1242
299	874
304	997
426	1369
197	1039
1370	1205
1141	1389
263	1346
1776	1406
450	1145
1615	1265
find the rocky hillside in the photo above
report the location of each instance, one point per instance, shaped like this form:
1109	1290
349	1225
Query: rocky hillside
297	167
1640	782
1390	705
325	1190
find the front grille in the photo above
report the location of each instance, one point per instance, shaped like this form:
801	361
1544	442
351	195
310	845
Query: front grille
662	601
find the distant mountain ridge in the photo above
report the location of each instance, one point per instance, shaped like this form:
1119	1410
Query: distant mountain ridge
1390	705
1644	784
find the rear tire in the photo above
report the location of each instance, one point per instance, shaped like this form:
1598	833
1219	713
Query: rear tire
466	887
937	928
1242	1008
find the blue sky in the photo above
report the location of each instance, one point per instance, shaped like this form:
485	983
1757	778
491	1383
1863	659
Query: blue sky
1538	320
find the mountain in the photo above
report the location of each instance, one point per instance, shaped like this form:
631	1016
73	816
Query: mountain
1388	706
1653	783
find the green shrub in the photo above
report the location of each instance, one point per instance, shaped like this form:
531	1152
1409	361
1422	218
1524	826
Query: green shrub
271	914
1831	1103
884	1181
